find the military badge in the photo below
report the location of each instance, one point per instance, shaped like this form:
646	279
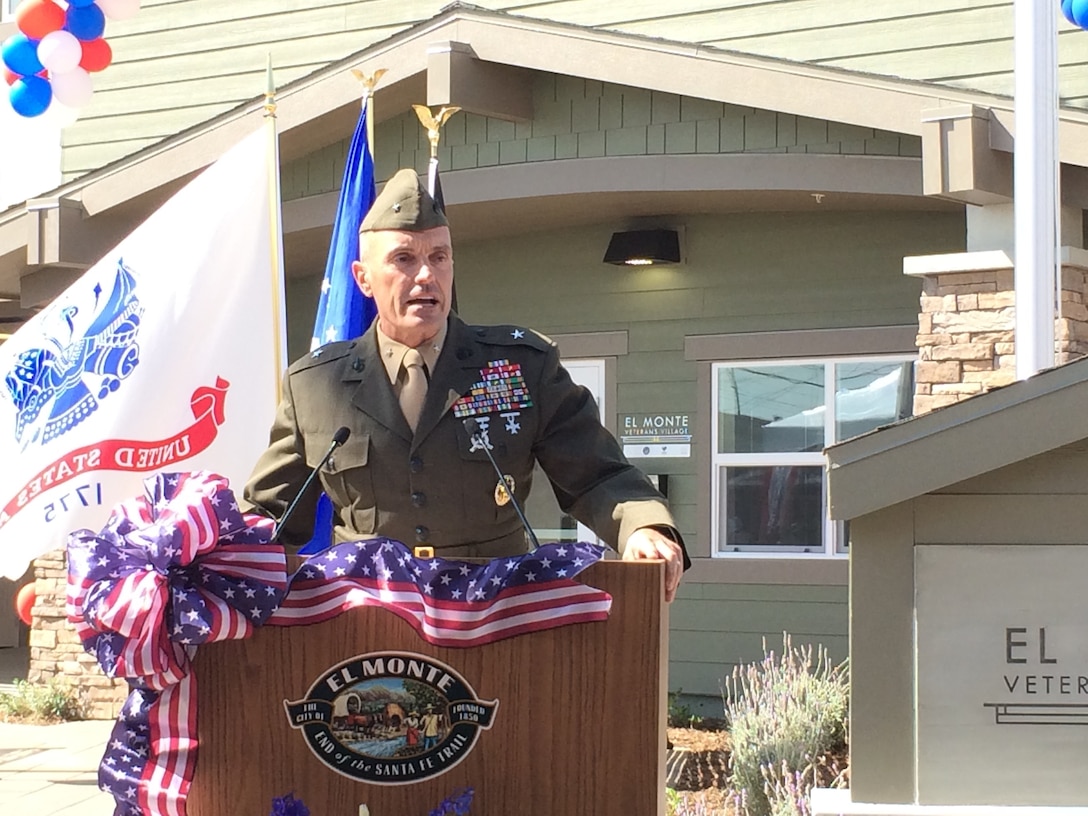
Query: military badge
92	349
501	388
503	490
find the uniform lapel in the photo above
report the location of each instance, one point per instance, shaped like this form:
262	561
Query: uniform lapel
457	370
374	395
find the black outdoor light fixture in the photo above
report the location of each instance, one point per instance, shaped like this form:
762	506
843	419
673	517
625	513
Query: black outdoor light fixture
645	247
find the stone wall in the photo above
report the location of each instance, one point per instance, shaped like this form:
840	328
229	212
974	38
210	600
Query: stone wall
56	651
966	327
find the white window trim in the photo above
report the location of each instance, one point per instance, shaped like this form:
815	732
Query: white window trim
832	549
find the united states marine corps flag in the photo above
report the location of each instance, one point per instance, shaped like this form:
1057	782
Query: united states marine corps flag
164	355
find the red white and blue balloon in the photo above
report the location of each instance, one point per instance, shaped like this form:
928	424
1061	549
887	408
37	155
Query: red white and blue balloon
60	43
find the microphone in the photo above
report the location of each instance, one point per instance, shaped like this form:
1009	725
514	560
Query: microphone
338	439
473	428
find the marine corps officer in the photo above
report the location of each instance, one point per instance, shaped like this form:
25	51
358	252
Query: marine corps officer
410	469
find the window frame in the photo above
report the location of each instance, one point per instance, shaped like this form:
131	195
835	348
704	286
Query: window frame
834	546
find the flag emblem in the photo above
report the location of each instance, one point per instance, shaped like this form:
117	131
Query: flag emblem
79	366
396	717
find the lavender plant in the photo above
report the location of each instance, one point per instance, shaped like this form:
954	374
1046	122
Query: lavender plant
786	713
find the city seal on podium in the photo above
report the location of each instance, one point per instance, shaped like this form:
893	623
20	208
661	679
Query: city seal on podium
391	718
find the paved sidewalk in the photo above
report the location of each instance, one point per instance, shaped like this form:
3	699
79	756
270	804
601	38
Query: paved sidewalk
47	770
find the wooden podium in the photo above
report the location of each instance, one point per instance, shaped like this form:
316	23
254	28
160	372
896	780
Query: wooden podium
579	727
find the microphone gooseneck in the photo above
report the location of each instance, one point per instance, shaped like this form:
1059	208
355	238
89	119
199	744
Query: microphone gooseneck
474	432
338	439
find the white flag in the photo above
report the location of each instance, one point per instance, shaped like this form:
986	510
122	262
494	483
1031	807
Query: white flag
163	357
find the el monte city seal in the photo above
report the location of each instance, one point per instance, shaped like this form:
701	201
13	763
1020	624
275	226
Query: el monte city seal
391	718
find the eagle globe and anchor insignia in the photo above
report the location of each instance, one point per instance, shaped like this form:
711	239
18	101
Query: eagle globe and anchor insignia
90	350
391	718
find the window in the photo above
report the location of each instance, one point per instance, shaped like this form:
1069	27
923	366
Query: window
7	9
772	421
542	510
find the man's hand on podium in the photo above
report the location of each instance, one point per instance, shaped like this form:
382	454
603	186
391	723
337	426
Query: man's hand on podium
647	542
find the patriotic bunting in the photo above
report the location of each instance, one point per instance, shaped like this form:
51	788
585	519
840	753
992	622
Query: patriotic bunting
182	566
450	603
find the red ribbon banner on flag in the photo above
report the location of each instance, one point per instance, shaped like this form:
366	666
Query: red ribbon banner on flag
207	404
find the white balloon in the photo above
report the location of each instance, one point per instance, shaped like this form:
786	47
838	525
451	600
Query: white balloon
59	51
73	88
119	9
59	115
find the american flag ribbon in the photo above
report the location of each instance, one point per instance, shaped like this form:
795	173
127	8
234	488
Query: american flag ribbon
174	568
182	566
450	603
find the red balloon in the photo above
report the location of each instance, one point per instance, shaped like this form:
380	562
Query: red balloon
24	602
10	76
36	18
97	54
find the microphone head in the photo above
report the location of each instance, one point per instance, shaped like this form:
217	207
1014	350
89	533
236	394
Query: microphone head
472	426
341	435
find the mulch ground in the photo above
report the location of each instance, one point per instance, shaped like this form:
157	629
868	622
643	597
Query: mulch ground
703	778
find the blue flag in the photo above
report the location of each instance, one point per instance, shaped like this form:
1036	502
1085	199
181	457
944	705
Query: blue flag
343	312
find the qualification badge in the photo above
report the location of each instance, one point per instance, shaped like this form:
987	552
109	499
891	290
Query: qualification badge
503	490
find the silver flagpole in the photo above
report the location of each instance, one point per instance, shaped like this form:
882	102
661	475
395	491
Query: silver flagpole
1035	183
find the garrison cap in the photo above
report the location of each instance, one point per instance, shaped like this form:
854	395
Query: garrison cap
404	204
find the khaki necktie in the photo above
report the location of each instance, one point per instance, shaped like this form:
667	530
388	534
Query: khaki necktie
414	391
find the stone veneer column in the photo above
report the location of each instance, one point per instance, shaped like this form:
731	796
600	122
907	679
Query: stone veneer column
967	323
55	651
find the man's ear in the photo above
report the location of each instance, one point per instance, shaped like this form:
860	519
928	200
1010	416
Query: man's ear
358	271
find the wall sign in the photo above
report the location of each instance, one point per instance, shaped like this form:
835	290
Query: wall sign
646	436
1002	674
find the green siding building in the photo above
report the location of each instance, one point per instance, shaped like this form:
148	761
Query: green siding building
802	149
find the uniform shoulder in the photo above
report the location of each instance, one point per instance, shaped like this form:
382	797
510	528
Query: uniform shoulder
503	335
322	356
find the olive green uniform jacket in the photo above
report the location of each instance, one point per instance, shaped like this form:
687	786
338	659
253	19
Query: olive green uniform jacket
434	486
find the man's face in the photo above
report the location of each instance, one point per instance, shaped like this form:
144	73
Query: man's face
409	275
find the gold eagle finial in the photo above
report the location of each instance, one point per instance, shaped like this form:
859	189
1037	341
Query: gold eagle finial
433	123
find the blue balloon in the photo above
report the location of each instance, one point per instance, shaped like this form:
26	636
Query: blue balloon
85	23
1079	10
30	96
1067	11
81	3
20	54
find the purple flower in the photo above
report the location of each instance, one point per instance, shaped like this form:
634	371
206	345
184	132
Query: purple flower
457	804
288	806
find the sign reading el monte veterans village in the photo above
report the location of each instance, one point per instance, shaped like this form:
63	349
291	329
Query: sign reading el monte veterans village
655	435
1002	648
391	718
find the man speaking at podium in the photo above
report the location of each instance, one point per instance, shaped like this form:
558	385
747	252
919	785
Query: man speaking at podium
421	395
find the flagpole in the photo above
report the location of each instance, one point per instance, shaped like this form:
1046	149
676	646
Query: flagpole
1036	185
279	321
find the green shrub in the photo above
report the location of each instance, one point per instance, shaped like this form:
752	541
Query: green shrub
42	702
681	715
787	719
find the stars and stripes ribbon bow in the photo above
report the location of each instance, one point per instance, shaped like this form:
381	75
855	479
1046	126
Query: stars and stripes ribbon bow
183	566
175	568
